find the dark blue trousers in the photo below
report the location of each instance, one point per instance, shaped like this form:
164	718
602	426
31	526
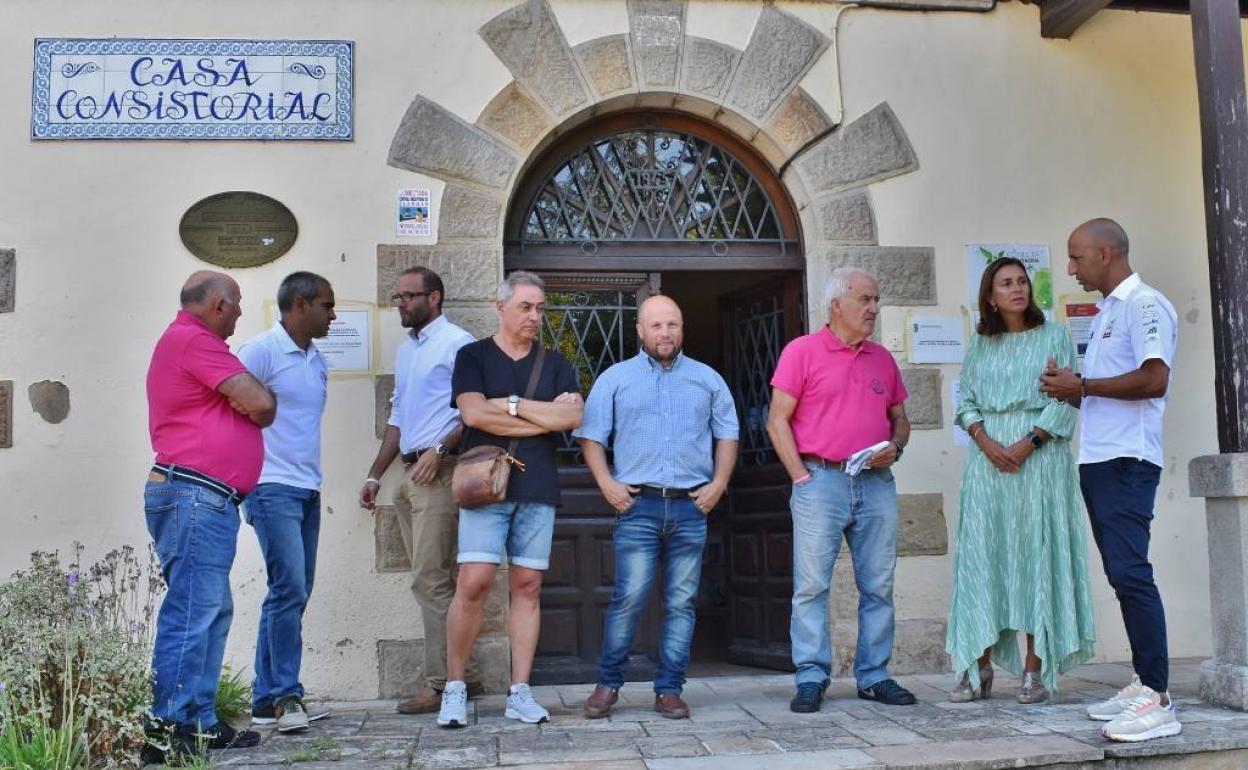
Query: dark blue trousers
1119	494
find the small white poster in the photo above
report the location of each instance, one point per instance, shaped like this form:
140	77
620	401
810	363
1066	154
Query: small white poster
413	213
348	347
960	437
936	340
1034	255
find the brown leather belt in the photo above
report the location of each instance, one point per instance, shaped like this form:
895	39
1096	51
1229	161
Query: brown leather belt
824	462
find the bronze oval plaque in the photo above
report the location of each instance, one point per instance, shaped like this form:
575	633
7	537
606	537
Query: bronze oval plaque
238	229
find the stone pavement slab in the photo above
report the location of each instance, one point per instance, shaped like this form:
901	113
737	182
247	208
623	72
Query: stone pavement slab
744	722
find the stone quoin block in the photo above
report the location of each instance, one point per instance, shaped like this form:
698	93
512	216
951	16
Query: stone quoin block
781	50
431	140
921	527
466	213
389	551
383	388
8	280
657	28
907	274
847	218
798	120
6	414
871	148
923	407
527	39
50	399
480	319
515	117
707	66
607	64
469	271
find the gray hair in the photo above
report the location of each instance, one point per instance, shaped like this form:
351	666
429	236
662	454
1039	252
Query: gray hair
519	278
211	285
838	283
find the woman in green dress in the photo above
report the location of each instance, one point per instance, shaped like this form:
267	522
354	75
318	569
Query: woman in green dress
1021	558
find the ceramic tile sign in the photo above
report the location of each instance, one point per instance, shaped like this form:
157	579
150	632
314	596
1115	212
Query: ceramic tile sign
119	88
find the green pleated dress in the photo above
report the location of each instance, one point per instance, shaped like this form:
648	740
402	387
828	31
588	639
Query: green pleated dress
1020	560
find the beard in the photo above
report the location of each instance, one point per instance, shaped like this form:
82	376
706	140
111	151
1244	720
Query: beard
654	353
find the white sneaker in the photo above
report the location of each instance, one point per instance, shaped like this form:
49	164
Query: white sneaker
520	705
454	711
1144	719
1108	710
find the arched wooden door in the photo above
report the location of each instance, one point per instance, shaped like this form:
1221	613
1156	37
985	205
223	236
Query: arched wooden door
619	209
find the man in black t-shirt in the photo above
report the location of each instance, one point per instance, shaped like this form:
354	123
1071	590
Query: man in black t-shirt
487	386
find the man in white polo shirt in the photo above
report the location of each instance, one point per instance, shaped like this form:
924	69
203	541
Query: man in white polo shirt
1126	377
425	429
285	507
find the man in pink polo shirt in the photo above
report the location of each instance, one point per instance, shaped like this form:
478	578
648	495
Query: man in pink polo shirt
205	412
834	393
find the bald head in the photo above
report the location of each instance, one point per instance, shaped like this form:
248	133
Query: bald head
661	329
1104	233
215	299
1098	255
203	285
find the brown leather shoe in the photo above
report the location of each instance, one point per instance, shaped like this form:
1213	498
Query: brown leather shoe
600	701
429	701
670	706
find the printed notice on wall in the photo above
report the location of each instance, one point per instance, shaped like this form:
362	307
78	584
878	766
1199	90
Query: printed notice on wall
936	340
960	437
1079	313
413	213
348	348
1034	255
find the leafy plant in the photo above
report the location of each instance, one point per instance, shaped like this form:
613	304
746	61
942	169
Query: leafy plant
233	695
75	658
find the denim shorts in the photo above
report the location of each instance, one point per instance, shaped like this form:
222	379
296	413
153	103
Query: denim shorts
523	529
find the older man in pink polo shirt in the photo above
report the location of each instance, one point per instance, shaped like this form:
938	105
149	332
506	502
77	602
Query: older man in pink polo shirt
836	393
205	412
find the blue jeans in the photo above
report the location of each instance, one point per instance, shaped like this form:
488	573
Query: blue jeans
1119	494
864	509
287	521
674	530
195	532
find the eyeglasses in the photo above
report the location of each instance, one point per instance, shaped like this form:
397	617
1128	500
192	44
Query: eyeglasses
404	297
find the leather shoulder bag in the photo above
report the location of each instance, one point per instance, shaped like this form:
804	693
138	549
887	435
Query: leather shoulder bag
482	473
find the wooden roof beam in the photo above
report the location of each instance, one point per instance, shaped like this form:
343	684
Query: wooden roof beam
1060	18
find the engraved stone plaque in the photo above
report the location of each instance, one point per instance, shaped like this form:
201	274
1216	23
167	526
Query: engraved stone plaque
6	414
238	229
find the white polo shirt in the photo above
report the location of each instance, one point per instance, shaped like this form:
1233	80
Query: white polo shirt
420	405
1135	323
299	379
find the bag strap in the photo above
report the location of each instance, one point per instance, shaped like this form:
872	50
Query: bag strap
528	390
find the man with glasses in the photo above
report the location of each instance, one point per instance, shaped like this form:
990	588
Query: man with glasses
424	429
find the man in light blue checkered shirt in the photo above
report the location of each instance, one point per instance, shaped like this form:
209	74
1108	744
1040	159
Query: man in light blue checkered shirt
672	426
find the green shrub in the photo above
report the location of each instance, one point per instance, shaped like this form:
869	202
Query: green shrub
75	660
233	695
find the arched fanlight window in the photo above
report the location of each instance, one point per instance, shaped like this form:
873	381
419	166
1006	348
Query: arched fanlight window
651	192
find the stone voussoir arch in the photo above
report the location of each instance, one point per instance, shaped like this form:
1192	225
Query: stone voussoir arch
754	93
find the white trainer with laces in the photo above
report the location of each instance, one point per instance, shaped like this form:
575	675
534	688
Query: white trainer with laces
1109	710
1144	719
454	711
522	706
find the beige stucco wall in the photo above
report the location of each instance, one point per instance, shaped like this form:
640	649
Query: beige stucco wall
1018	139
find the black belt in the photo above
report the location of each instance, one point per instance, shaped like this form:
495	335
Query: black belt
183	473
410	457
824	462
669	492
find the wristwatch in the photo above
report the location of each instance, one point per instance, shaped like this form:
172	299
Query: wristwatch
897	457
1035	439
513	405
440	449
